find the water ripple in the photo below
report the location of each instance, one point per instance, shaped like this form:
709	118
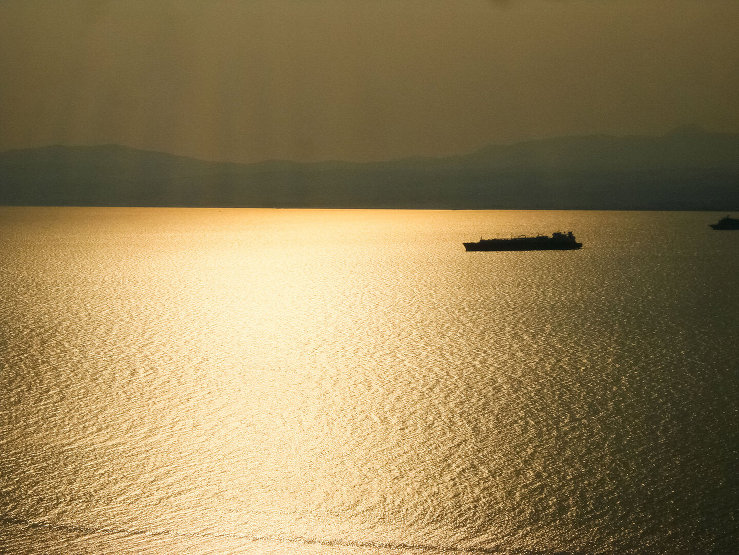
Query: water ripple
84	529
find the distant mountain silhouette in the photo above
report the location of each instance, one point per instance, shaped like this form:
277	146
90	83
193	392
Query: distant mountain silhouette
688	169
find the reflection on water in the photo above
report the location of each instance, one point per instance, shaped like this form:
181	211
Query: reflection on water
289	381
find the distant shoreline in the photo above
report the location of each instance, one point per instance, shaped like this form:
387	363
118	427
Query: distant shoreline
695	171
334	208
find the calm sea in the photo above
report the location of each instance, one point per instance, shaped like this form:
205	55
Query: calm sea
307	381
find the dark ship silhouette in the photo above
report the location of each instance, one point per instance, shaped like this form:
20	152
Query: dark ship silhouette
726	223
558	241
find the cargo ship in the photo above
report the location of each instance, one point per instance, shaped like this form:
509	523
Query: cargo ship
557	242
726	223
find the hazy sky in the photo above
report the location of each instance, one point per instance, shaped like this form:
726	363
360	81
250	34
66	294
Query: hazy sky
248	80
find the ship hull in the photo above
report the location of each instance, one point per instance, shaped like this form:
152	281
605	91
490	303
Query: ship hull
483	247
726	223
557	242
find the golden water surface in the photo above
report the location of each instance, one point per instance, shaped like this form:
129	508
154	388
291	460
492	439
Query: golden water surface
306	381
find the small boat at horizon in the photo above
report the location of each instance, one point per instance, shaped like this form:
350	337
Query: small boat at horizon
726	223
558	241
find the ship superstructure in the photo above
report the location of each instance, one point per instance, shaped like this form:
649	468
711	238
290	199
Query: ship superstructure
557	241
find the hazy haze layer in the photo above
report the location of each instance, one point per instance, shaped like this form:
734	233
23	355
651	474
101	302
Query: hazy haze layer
328	79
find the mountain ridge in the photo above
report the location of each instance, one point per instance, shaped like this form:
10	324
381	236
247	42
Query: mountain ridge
687	169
